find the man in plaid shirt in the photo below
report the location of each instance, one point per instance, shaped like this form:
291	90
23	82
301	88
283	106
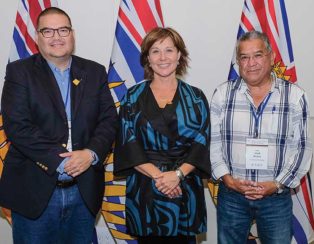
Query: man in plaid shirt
260	147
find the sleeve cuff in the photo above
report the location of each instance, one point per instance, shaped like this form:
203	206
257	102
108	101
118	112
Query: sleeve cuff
288	180
220	171
60	168
198	156
94	156
127	156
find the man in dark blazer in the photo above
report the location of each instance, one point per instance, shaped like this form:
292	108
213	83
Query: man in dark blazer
61	121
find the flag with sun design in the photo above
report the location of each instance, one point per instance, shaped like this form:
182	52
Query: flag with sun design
271	18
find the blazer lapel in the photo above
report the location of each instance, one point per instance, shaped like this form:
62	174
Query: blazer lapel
78	81
49	82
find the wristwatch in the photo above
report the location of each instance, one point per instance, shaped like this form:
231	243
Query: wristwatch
279	187
180	174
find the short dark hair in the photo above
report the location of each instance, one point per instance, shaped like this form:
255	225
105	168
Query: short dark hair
252	35
157	34
53	10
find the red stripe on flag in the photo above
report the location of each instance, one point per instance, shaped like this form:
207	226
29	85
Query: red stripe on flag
307	201
47	3
130	26
273	14
34	11
272	40
259	8
30	43
274	46
246	22
145	14
158	8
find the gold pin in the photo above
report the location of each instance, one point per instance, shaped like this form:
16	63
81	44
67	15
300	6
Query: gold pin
76	82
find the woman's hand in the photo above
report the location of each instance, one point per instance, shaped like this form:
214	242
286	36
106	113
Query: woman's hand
166	182
176	192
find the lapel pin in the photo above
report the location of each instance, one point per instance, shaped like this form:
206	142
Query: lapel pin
76	82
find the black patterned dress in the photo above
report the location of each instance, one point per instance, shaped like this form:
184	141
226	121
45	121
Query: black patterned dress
166	137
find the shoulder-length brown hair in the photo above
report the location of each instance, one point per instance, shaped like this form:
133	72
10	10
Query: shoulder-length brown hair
158	34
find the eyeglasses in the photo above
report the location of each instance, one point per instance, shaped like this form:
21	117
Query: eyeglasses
50	32
256	57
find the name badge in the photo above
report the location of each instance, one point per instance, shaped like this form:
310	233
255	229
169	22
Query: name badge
256	153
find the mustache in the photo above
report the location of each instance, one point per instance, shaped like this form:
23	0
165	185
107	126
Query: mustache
54	42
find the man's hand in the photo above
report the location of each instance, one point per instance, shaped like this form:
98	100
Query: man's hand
239	185
250	189
79	161
263	189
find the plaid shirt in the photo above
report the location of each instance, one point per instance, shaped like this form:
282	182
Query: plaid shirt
284	122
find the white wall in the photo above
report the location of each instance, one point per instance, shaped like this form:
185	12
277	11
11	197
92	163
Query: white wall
209	28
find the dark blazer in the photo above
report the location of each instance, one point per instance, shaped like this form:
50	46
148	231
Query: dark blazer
35	123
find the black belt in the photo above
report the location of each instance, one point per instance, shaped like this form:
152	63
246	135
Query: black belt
65	184
167	161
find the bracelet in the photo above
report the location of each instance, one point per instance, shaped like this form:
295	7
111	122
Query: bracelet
180	174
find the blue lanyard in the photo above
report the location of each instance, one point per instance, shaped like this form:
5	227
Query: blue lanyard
67	96
258	114
67	99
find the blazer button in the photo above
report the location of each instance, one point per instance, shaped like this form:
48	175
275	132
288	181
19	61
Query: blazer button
64	145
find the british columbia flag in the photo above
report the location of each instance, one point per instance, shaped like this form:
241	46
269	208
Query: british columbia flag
135	19
23	46
270	17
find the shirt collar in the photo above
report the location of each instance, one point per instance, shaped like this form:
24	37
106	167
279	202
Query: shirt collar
241	85
56	69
